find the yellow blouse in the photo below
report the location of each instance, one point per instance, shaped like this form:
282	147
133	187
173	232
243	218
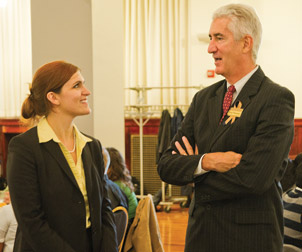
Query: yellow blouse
46	133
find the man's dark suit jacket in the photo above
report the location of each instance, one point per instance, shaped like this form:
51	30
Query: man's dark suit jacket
48	204
239	210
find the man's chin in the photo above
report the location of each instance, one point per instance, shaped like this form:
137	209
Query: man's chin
218	71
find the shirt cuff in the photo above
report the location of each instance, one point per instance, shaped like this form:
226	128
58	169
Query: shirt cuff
199	171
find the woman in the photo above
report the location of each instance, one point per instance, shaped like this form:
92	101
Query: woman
55	173
119	174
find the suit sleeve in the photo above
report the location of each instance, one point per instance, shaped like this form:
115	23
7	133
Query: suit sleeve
178	169
108	223
264	158
27	201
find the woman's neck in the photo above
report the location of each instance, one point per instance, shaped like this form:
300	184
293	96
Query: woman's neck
63	127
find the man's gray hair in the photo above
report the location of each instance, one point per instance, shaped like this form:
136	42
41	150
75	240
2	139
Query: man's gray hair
244	21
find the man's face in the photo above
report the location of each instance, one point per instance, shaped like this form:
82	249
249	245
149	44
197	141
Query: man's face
227	52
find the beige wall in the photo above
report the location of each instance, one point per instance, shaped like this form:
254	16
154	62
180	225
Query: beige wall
108	72
62	30
88	33
280	51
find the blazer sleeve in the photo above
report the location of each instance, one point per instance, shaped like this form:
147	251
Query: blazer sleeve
179	169
263	159
108	223
26	198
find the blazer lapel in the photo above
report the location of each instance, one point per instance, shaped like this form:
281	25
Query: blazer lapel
87	163
55	151
250	89
215	107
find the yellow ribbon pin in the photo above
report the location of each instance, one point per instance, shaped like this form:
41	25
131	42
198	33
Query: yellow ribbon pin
234	112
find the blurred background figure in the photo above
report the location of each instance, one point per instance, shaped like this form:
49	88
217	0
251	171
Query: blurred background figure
8	225
119	174
292	199
115	194
3	183
3	186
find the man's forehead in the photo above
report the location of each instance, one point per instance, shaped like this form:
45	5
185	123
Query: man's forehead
219	26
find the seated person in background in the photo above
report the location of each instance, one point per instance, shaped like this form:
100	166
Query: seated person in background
289	178
3	186
115	194
119	174
292	200
8	226
3	183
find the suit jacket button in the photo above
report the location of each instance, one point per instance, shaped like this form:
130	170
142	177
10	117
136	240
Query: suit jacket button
208	207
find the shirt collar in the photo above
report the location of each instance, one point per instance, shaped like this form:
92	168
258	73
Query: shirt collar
240	84
46	133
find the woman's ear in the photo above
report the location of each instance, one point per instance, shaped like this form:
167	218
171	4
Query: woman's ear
52	97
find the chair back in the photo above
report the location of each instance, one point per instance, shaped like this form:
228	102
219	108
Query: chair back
290	248
121	221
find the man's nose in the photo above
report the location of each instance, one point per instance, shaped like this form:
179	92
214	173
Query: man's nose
211	47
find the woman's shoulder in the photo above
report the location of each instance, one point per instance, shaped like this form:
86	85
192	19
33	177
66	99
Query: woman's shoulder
28	137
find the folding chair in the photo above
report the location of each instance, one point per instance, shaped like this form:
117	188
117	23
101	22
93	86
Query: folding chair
121	221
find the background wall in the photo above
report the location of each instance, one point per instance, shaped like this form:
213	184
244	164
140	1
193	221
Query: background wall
108	72
90	34
280	51
62	30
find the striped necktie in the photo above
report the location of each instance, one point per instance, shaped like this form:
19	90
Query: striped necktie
227	101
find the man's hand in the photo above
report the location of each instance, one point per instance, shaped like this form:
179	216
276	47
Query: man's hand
189	149
216	161
220	161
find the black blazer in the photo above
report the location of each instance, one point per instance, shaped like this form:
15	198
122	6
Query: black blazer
239	210
48	203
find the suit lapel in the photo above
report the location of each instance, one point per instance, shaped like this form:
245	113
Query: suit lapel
250	89
55	151
215	107
87	163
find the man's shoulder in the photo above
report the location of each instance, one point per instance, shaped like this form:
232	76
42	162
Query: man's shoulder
211	89
268	82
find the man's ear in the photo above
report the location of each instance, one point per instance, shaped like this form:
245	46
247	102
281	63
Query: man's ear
247	43
52	97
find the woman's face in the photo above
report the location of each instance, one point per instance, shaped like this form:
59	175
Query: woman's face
72	99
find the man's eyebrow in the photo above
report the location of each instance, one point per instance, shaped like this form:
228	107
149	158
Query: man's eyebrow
218	34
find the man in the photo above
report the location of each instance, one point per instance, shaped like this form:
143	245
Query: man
243	151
